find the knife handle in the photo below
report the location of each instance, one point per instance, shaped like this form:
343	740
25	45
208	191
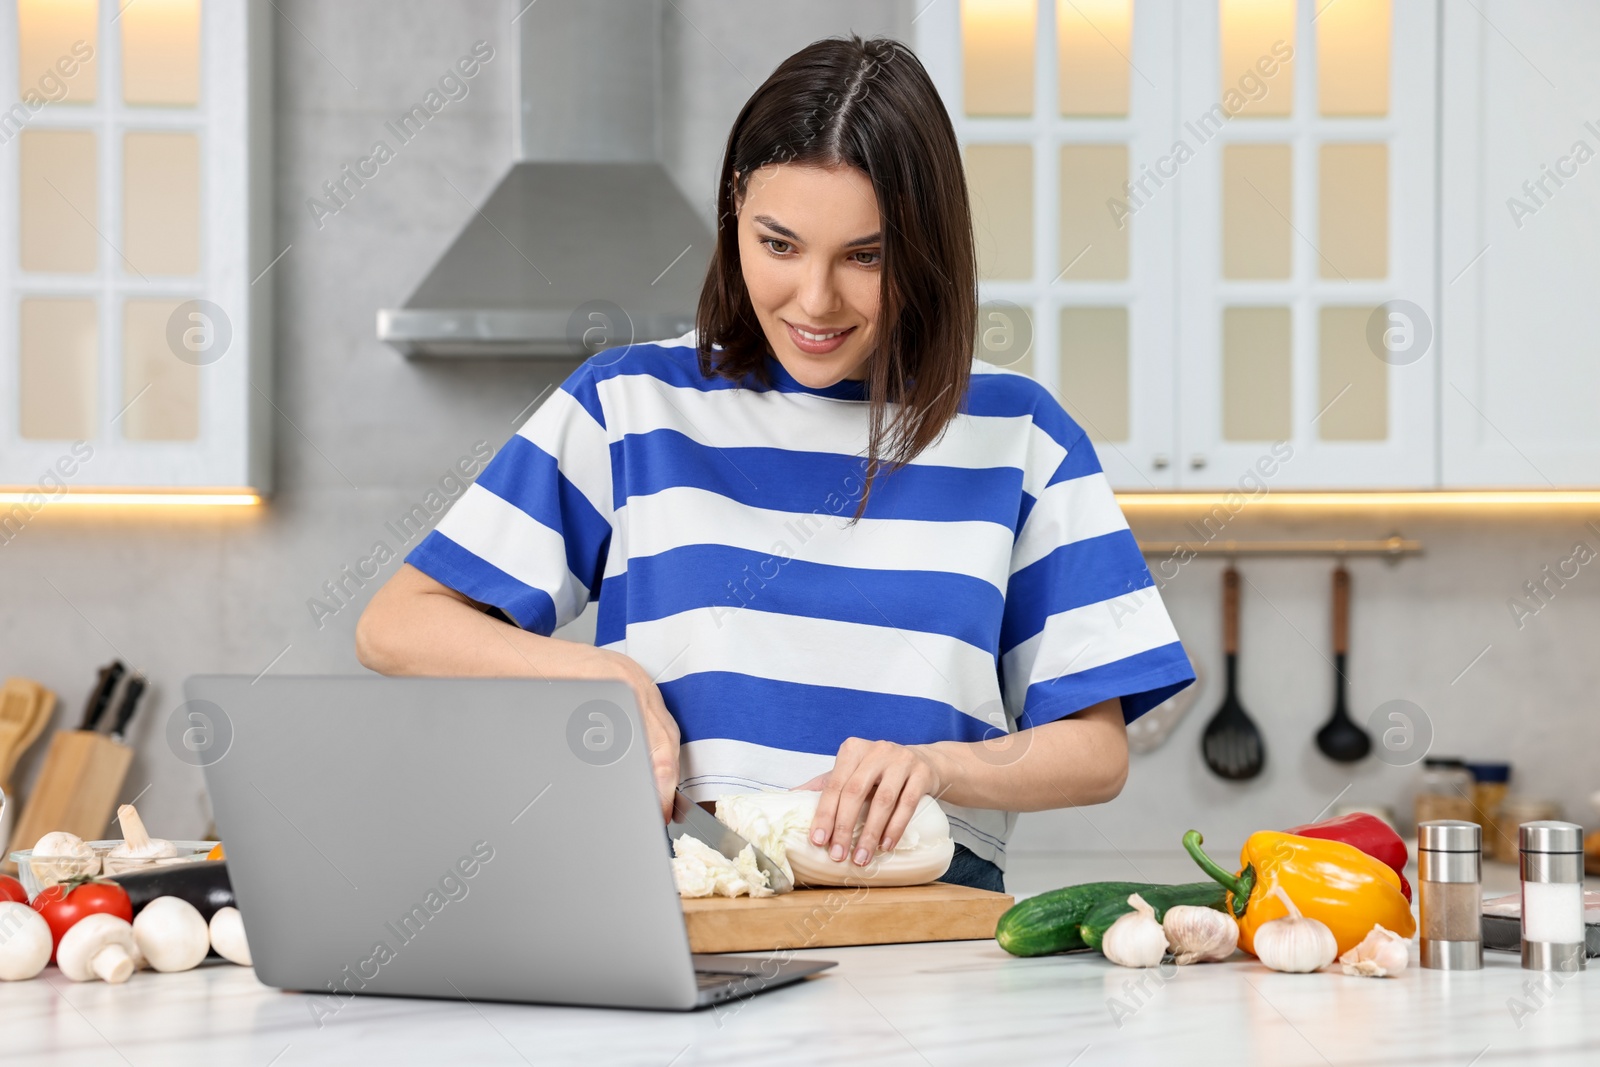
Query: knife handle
110	674
130	703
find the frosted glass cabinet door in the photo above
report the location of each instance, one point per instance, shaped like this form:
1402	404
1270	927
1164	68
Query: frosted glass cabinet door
161	203
160	392
1306	243
1000	188
56	50
1095	375
58	377
1065	110
161	52
1093	40
997	56
58	202
135	188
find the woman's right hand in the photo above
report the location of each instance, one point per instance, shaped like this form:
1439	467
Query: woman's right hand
661	730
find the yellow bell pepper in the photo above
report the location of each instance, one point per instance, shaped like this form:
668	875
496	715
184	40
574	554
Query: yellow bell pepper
1335	883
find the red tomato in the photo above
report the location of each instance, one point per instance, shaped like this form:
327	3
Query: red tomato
62	909
11	889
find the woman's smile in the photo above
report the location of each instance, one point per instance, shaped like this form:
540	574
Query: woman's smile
815	341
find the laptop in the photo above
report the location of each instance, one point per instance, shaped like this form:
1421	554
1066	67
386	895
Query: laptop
469	838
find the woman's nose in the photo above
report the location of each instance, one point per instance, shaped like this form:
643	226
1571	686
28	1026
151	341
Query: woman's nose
819	297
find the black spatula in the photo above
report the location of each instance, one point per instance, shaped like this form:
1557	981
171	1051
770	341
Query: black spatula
1340	739
1232	745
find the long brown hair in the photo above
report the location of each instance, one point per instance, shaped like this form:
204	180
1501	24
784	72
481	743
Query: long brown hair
867	104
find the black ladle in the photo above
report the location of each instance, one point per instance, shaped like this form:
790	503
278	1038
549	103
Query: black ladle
1340	739
1231	744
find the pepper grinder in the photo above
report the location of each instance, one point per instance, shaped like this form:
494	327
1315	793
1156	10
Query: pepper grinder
1450	894
1552	896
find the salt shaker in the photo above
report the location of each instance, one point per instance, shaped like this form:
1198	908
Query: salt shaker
1552	896
1450	889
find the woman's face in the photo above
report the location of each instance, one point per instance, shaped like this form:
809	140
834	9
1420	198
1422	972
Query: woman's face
811	251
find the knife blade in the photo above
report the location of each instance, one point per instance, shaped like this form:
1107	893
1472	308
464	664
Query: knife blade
100	698
690	818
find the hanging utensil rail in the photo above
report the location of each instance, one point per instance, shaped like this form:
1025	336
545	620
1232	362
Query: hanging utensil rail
1394	548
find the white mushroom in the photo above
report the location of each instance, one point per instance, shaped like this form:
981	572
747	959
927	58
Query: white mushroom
60	856
138	849
97	946
24	942
227	936
172	934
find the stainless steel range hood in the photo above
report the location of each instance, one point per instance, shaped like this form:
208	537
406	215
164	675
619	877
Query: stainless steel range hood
586	242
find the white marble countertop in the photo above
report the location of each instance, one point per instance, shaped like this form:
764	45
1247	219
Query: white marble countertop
961	1002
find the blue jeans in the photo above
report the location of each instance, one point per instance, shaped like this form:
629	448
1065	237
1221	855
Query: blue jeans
968	869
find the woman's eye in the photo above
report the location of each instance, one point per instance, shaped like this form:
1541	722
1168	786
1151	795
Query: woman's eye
872	260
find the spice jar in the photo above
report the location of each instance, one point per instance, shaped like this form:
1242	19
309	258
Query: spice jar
1514	811
1450	894
1552	896
1490	781
1446	791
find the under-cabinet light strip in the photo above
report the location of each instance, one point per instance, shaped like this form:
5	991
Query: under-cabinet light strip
35	499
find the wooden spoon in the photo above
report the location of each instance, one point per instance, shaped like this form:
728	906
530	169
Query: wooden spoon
25	710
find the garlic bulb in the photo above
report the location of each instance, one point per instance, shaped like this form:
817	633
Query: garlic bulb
1294	943
1199	935
778	822
1382	952
1136	939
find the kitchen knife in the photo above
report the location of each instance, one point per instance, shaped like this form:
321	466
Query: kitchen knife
130	703
690	818
100	698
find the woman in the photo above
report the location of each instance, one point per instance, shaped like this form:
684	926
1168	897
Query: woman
831	550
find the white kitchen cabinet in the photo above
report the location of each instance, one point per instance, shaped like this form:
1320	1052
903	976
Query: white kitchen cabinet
1520	206
1306	233
135	214
1266	217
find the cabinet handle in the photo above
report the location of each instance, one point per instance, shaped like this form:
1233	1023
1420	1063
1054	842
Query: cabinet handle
1197	462
1160	461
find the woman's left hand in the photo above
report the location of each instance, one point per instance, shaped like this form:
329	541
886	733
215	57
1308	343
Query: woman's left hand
891	778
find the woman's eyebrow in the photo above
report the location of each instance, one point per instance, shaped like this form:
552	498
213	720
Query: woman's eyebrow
773	224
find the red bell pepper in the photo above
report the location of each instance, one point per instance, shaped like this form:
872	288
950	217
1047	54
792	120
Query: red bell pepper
1368	833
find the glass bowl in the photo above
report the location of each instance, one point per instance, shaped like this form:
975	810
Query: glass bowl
34	883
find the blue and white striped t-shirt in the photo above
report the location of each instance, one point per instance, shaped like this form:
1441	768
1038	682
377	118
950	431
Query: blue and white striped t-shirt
991	585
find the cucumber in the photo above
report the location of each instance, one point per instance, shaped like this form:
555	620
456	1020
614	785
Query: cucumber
1160	897
1049	922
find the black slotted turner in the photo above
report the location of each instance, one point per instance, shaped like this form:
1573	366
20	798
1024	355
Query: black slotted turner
1231	744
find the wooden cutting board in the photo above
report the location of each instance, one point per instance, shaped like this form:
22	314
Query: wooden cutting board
825	918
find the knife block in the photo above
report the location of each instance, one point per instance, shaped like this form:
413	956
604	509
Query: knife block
77	789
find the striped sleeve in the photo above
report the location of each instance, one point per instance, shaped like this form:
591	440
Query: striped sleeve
530	537
1083	621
